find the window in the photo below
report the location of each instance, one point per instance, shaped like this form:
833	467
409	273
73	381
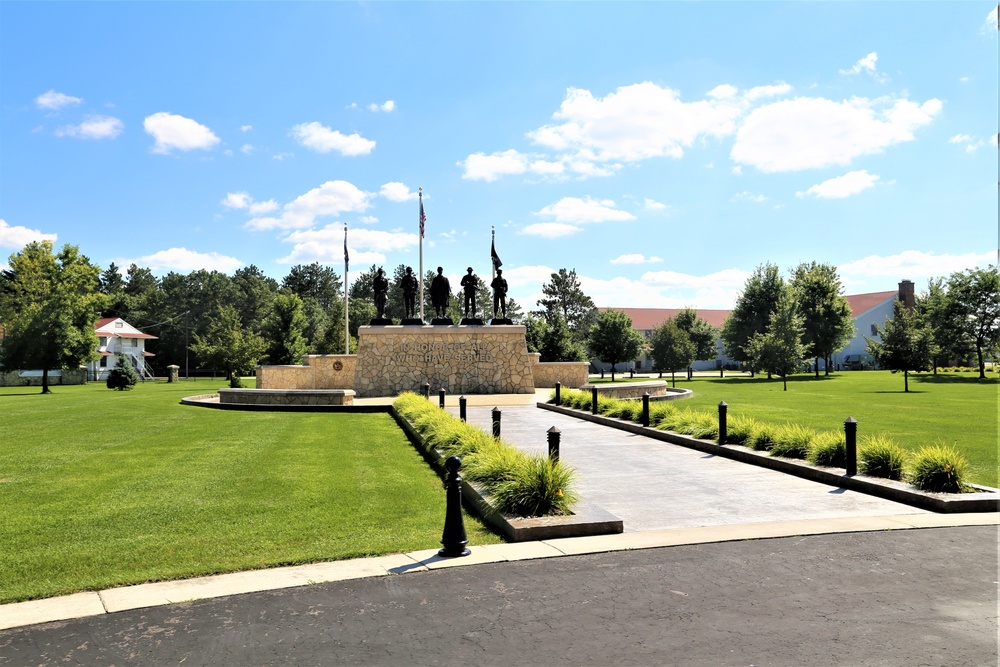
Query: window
104	361
135	342
874	330
104	341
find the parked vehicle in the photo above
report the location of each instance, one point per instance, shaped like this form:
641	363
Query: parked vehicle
859	362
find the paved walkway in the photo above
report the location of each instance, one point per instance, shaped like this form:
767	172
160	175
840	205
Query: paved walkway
654	485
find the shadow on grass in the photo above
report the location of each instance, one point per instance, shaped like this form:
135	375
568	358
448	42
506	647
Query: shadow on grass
762	379
953	379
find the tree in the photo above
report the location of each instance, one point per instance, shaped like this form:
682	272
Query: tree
226	345
975	295
565	299
752	313
558	344
939	312
779	350
534	334
613	340
827	320
255	294
317	281
123	376
283	331
907	344
112	285
699	331
49	306
671	348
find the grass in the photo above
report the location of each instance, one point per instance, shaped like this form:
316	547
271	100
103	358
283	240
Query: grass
101	488
955	409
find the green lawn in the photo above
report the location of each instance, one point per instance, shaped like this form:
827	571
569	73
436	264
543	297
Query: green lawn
956	409
102	488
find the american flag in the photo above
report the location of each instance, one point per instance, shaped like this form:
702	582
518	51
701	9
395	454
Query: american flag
423	218
347	260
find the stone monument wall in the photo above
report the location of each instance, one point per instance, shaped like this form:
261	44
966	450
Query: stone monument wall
460	359
320	371
571	374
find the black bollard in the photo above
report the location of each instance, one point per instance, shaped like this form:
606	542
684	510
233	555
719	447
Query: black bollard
723	408
722	372
851	438
426	389
453	537
554	434
461	408
645	408
602	373
441	394
690	373
558	397
593	400
496	422
631	372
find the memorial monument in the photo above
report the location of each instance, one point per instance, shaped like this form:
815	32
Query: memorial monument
470	283
440	298
380	286
410	285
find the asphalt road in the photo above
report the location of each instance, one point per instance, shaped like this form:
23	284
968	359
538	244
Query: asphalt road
913	597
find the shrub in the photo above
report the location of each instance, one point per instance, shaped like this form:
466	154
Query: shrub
235	382
879	456
536	486
490	464
123	376
938	468
740	428
660	411
611	407
630	410
705	426
792	440
829	448
762	437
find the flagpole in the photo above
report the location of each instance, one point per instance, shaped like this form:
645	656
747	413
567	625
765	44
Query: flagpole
347	319
493	265
421	275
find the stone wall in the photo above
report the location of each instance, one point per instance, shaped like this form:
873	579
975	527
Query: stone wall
629	389
320	371
460	359
71	376
286	396
571	374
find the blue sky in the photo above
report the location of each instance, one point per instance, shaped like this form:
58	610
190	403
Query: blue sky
663	150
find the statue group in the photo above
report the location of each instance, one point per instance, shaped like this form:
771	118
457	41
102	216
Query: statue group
440	297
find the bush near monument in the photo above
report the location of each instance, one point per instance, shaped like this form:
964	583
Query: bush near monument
123	376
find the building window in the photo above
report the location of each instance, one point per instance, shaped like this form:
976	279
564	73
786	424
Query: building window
874	330
104	361
104	341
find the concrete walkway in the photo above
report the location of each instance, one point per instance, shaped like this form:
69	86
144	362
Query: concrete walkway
653	485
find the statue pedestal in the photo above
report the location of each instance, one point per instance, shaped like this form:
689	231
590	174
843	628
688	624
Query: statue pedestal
438	321
381	322
471	322
499	321
462	360
411	322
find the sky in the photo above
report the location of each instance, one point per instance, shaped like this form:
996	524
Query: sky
663	150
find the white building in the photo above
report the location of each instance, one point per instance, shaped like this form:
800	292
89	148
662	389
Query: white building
868	310
119	339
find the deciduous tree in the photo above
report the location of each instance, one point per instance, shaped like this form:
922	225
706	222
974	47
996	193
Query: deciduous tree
975	295
752	313
701	333
827	320
283	331
671	348
779	350
227	346
565	298
613	340
906	345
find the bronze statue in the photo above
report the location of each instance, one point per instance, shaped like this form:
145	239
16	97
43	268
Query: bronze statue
410	286
469	283
380	285
499	286
440	293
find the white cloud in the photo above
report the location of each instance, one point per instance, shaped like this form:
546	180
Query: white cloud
322	139
243	200
259	207
840	187
16	237
246	149
635	259
635	122
971	143
547	168
482	167
246	128
368	220
653	205
550	230
914	265
330	199
737	170
397	192
758	92
574	210
960	139
388	106
809	133
724	92
182	259
54	101
173	131
866	64
93	127
990	25
725	279
749	196
366	246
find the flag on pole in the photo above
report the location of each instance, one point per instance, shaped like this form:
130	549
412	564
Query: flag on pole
346	257
423	218
493	254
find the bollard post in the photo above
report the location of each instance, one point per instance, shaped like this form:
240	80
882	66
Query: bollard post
690	373
554	435
851	438
593	400
441	394
496	422
645	408
558	397
426	389
461	408
453	537
722	372
602	373
723	409
631	372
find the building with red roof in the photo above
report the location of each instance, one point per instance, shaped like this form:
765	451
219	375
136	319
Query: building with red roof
118	339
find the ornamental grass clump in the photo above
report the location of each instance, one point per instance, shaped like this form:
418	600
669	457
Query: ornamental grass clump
938	468
611	407
762	437
517	483
660	412
792	441
740	428
829	448
880	456
536	486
